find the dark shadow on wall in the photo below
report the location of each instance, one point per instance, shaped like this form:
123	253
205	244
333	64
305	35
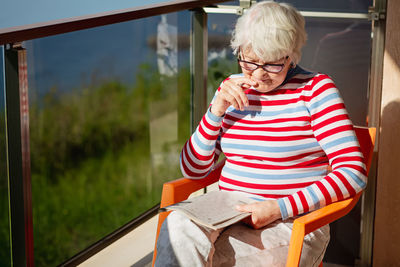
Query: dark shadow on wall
345	56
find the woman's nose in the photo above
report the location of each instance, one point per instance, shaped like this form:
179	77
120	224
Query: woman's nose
260	73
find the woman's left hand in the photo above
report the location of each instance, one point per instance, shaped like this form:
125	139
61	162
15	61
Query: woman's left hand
262	213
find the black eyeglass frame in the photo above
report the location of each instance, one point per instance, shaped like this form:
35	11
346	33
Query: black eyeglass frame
264	66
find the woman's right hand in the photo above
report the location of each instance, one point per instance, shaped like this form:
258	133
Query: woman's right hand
232	93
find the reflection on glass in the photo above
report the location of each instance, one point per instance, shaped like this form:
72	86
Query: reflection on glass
221	61
5	253
108	117
342	49
339	48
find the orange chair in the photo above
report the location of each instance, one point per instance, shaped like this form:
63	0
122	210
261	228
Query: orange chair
180	189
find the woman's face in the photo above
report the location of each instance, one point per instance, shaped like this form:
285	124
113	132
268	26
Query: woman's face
267	81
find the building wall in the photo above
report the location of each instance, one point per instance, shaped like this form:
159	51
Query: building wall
386	251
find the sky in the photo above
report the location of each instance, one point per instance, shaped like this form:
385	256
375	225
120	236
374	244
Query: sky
25	12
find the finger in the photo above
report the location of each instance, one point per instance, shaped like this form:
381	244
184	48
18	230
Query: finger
244	81
239	88
235	96
248	221
241	96
244	208
234	99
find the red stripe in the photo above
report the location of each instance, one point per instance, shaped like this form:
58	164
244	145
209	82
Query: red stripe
331	120
192	174
267	129
320	90
193	164
346	183
316	162
265	186
343	152
264	138
320	77
208	125
279	159
325	192
281	120
334	131
348	158
354	167
293	204
303	201
335	187
327	110
274	166
262	195
273	102
195	154
206	135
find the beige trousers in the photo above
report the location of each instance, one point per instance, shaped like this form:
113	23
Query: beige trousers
184	243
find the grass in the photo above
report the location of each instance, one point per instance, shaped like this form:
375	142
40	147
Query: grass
89	202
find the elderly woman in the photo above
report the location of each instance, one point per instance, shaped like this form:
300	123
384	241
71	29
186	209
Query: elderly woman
281	129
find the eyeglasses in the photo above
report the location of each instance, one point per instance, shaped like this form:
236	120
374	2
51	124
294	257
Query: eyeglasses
251	66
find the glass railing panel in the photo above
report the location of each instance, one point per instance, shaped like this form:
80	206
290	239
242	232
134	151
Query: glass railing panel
221	61
356	6
342	49
108	117
5	252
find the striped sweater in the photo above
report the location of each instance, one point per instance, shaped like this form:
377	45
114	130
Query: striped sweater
281	145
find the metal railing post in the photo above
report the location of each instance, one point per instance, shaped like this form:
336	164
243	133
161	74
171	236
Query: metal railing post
198	65
376	14
18	155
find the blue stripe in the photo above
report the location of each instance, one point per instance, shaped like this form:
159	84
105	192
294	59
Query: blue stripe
202	145
268	113
274	176
322	101
283	209
225	145
357	179
314	197
339	141
213	117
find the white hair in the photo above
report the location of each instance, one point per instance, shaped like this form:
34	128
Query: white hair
271	30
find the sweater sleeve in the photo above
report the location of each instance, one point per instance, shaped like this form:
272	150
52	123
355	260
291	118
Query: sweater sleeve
203	148
334	132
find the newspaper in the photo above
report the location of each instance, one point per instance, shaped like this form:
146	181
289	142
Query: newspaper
215	209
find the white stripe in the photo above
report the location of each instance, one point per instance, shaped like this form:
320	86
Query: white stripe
341	186
194	159
258	191
330	189
299	205
191	168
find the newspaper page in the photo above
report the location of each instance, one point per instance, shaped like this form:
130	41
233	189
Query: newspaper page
215	209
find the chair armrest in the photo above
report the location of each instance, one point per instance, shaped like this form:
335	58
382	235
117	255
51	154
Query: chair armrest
314	220
180	189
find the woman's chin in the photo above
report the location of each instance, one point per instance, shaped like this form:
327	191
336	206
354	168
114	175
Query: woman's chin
264	89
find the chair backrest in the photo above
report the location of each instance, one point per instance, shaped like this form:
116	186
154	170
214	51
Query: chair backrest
314	220
366	138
